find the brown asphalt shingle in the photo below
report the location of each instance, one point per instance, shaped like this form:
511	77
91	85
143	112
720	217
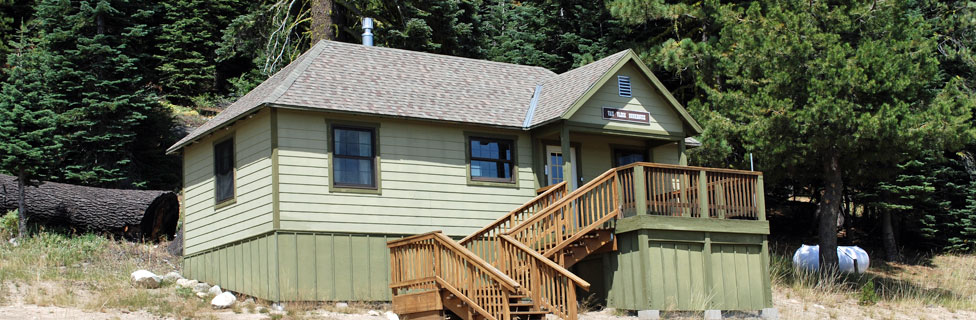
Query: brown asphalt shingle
400	83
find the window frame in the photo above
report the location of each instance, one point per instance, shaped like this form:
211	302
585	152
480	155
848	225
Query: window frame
218	204
635	149
512	182
375	159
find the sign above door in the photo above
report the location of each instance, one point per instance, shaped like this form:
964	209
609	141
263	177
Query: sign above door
614	114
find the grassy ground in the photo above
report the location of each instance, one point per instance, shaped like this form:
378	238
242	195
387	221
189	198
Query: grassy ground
90	273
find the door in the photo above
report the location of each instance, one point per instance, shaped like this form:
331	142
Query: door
554	165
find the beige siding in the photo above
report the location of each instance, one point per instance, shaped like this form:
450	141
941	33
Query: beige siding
423	179
663	118
251	214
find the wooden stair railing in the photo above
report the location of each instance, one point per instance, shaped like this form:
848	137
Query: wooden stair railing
550	286
433	261
482	242
572	217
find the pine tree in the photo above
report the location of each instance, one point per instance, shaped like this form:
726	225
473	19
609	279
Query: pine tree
823	92
110	120
28	143
188	42
13	14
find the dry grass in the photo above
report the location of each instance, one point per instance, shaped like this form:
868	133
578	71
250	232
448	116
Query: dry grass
89	272
944	289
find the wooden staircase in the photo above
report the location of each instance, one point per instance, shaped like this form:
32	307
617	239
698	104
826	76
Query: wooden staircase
516	267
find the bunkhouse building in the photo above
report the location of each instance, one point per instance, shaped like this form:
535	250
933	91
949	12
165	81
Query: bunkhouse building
485	189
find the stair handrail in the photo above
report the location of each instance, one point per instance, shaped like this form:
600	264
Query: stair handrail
438	259
556	190
549	285
553	209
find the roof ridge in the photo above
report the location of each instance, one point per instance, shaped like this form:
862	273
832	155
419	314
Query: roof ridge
299	69
485	61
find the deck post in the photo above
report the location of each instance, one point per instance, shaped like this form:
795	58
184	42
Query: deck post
640	191
682	153
703	194
760	199
567	159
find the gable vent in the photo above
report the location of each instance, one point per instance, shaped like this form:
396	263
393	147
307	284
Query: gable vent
623	86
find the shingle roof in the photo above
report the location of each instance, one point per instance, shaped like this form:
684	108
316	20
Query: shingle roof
400	83
560	92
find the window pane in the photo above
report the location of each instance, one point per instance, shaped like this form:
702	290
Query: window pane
491	149
224	170
625	157
491	169
352	172
353	142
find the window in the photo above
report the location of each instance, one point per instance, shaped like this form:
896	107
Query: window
354	157
623	86
224	170
622	157
492	159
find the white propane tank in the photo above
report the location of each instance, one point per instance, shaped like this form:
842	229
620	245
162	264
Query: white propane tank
808	258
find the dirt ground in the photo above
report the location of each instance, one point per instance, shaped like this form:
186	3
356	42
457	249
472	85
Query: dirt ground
788	309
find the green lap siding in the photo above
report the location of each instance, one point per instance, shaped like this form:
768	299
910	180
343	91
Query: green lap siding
664	119
206	225
423	179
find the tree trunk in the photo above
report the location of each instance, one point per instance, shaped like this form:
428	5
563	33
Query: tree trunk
321	24
829	209
133	214
888	237
21	209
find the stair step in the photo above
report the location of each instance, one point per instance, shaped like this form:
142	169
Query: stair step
529	313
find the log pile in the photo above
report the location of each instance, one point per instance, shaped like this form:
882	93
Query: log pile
132	214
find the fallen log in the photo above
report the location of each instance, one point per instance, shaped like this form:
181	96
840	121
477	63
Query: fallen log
132	214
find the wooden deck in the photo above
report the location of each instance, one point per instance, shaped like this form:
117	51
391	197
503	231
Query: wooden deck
516	267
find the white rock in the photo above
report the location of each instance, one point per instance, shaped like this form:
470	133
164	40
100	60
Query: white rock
201	287
202	295
13	241
373	313
215	290
172	276
186	283
223	300
277	307
392	316
145	279
341	305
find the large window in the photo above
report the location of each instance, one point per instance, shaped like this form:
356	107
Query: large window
354	157
492	160
224	170
625	156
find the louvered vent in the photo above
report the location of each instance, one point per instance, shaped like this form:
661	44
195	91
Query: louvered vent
623	86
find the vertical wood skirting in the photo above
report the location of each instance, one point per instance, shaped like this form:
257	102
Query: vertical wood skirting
567	159
640	191
707	268
767	286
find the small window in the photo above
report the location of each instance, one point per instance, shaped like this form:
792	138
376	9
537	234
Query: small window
354	157
492	160
224	170
623	86
622	157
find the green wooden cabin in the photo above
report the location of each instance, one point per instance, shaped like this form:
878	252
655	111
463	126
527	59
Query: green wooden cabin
293	192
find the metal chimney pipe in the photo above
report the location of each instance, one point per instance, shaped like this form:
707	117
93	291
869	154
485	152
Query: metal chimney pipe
368	32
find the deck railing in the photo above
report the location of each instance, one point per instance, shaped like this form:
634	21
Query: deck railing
431	260
483	241
685	191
